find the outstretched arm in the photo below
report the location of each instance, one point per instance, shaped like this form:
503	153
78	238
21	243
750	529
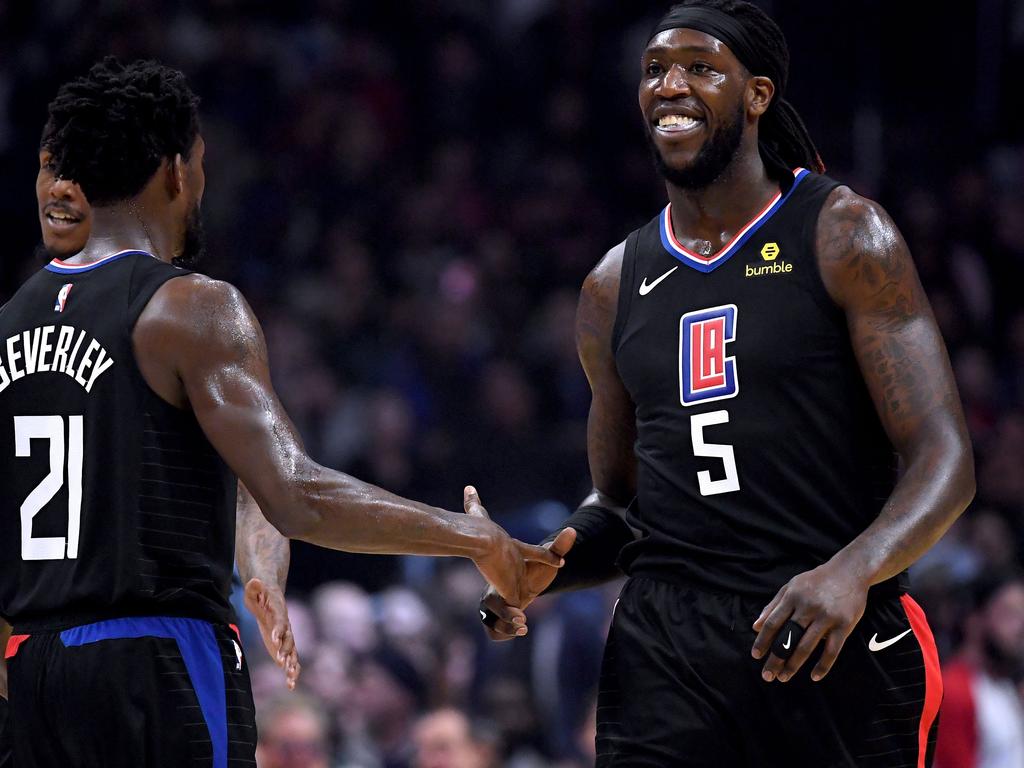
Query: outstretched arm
869	273
595	533
198	345
262	555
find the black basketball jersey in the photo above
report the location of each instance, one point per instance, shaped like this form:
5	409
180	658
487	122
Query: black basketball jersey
760	454
114	503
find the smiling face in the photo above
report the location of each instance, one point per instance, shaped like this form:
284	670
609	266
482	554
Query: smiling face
65	216
694	101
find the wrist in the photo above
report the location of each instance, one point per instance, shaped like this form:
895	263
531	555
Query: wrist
855	565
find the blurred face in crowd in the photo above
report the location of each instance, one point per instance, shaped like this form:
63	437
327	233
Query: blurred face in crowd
1004	626
294	738
65	216
692	101
443	740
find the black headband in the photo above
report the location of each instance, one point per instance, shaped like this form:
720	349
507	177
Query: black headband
724	27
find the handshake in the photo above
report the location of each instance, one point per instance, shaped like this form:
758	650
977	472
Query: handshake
516	573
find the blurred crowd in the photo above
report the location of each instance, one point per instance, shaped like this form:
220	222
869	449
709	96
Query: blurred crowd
410	195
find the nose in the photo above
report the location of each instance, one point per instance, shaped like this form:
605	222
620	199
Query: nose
674	83
62	189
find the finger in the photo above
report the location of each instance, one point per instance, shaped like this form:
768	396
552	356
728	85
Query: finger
537	554
833	645
759	621
253	590
503	628
292	674
507	620
471	503
563	541
770	626
804	648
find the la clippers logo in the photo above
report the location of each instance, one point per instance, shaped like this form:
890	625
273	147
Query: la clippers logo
62	297
705	372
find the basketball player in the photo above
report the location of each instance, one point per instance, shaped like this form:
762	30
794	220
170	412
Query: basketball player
130	391
755	353
262	554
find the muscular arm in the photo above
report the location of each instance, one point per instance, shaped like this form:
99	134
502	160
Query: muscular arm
869	272
611	431
199	346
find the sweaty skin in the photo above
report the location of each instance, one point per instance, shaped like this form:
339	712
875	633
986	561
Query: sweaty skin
198	346
262	554
868	272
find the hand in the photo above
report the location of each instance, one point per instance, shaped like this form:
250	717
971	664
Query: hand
511	621
267	604
828	602
505	559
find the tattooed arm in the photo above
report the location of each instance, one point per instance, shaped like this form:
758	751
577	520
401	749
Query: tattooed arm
869	273
598	527
262	555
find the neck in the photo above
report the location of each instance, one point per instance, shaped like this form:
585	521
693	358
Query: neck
717	211
125	226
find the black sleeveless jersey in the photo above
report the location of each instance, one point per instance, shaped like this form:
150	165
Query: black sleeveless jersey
760	454
114	503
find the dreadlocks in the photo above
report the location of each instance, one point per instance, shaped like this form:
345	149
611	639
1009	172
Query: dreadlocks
110	130
756	40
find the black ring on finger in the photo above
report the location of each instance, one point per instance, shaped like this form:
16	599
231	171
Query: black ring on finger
488	617
787	639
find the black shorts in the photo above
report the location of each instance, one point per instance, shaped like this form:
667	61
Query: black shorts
142	692
680	689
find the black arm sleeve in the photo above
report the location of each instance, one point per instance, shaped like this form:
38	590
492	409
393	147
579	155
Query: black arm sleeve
600	536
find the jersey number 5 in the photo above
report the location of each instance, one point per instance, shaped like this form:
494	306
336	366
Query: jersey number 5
706	374
51	429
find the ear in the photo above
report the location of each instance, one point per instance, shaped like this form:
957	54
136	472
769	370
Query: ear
760	91
174	175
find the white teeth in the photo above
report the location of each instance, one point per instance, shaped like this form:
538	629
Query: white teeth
682	121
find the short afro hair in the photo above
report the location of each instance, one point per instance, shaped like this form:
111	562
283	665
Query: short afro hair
109	130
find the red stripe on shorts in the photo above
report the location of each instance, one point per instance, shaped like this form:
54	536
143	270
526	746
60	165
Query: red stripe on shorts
932	674
13	643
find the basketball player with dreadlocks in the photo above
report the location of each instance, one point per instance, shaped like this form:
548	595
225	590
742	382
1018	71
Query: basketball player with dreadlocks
756	352
131	392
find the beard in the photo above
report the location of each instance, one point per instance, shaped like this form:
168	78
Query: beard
194	249
711	161
42	254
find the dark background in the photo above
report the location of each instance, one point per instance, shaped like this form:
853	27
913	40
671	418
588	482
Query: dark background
410	195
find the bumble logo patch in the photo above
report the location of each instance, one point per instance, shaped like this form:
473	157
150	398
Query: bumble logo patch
769	252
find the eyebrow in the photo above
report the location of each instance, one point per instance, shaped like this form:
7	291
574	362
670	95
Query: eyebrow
655	49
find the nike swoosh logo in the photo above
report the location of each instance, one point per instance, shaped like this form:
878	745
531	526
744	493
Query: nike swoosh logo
645	288
789	640
874	645
483	614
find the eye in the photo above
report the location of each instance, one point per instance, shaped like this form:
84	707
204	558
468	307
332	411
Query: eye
701	68
654	69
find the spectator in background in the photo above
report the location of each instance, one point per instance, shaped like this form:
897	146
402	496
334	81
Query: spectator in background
982	723
446	738
293	734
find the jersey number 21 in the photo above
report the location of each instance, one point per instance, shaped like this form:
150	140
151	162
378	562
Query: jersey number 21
69	450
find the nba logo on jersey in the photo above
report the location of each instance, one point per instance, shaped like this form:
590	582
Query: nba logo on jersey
705	373
62	297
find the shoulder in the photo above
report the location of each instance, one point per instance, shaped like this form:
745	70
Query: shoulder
197	311
601	287
196	299
857	244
